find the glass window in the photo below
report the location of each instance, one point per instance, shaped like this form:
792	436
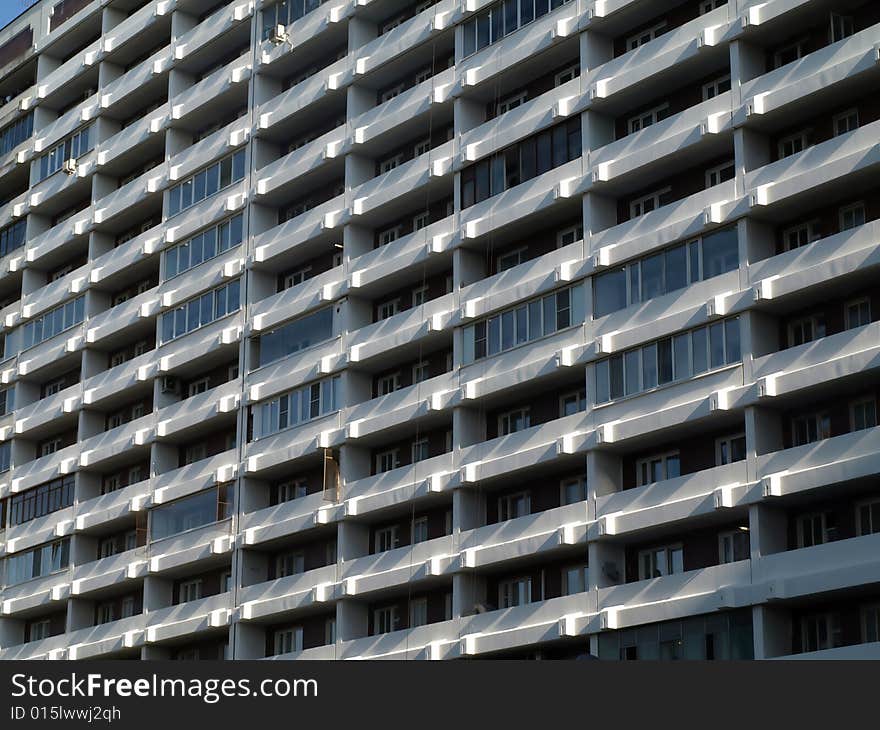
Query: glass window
296	335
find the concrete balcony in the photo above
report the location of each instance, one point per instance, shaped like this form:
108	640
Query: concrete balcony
527	119
177	622
283	519
89	57
130	137
668	224
663	54
211	210
326	652
120	202
820	165
194	477
829	567
141	21
531	623
402	406
301	367
186	549
117	319
433	641
310	294
407	35
59	182
674	596
219	144
332	79
45	468
109	444
295	442
536	534
47	410
53	239
821	69
523	200
406	106
200	342
98	641
66	124
125	255
665	141
307	29
108	572
701	493
214	26
528	41
191	100
113	507
402	566
179	421
209	274
524	449
403	180
283	238
48	351
401	485
302	161
56	292
48	591
115	380
55	647
36	532
856	651
406	327
830	461
275	598
403	253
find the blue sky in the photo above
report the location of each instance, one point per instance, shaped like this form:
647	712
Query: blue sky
10	9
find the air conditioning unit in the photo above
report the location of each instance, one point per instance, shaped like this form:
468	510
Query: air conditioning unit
70	166
170	384
279	35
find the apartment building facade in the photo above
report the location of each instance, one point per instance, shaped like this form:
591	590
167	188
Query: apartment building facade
440	330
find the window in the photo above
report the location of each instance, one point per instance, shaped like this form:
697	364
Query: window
390	163
420	450
509	259
296	335
419	529
420	371
806	329
203	246
54	322
389	94
330	631
657	468
127	607
106	547
729	449
419	296
50	446
515	592
671	359
510	102
799	235
793	144
71	148
820	631
574	580
206	182
661	561
647	118
790	53
202	310
389	308
567	74
37	562
569	235
289	564
38	630
863	414
858	313
513	421
299	406
194	453
716	87
491	24
719	174
106	612
12	236
868	517
852	216
572	403
522	161
645	36
285	12
707	6
386	538
842	26
646	203
387	460
847	121
288	640
511	506
385	620
572	490
810	428
190	590
201	508
528	321
288	491
388	383
390	234
40	500
418	612
733	545
198	386
870	624
421	220
666	271
15	133
816	528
